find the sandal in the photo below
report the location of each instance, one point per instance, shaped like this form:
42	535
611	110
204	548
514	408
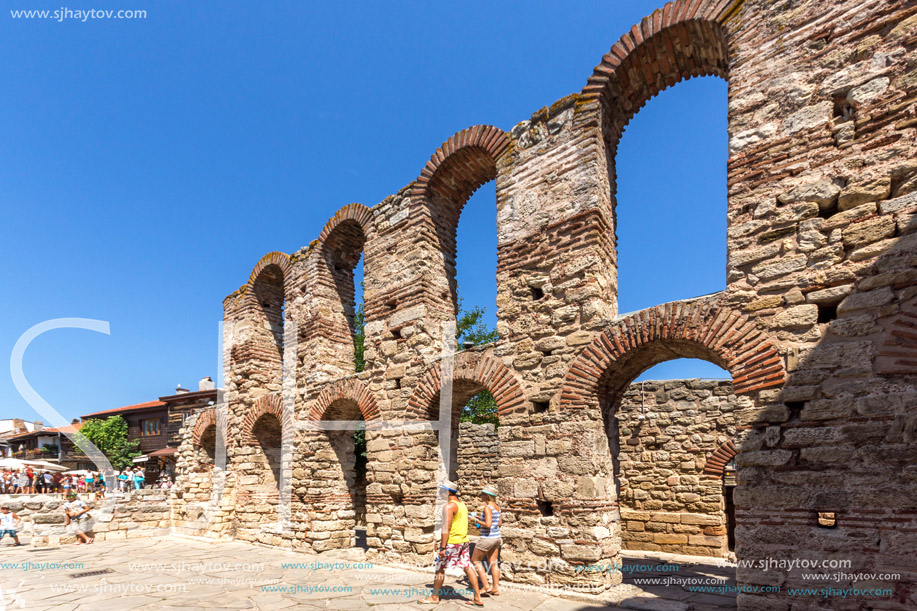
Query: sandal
471	602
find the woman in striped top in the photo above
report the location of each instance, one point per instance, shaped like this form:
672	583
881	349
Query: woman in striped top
488	521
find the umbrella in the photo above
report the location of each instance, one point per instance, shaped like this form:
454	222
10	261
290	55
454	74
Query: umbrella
77	472
47	466
11	463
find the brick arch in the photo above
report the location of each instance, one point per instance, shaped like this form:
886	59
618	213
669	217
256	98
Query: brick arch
467	159
267	404
275	258
682	329
350	389
684	39
262	300
356	213
206	419
476	370
330	277
716	464
456	170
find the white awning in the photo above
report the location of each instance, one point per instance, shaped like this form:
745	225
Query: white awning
141	459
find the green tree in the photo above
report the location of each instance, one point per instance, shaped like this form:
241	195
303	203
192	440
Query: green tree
360	456
359	363
470	326
481	409
359	340
110	436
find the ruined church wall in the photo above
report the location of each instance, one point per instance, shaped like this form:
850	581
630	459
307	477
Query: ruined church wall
821	250
202	496
815	324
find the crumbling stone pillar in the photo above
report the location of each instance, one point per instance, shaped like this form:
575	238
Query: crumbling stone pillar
254	320
203	497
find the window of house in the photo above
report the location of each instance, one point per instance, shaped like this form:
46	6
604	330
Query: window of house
149	427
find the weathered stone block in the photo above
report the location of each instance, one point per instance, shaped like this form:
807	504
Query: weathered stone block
669	539
822	192
869	231
856	195
798	316
771	270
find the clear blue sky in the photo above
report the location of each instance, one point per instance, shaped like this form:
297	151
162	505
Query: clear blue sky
146	165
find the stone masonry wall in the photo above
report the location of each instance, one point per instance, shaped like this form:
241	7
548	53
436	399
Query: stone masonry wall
816	325
477	458
667	432
202	497
668	503
141	513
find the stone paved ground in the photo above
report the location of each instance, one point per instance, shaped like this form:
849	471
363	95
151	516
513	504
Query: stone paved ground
181	573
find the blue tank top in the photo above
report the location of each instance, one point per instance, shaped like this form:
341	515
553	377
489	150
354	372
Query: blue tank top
494	530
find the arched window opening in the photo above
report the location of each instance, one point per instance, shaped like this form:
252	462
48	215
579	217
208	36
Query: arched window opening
268	293
197	496
729	486
467	450
335	326
342	252
474	445
670	175
462	165
268	290
450	199
475	281
259	475
359	318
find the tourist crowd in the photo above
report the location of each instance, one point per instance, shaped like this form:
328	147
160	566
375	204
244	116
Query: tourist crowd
29	481
76	510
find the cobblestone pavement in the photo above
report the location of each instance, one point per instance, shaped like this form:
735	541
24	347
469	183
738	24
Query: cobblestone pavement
181	573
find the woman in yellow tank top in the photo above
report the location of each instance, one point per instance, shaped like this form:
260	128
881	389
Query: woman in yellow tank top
454	549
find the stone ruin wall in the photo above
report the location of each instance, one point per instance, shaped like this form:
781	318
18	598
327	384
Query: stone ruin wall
203	495
477	461
816	324
672	498
140	513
